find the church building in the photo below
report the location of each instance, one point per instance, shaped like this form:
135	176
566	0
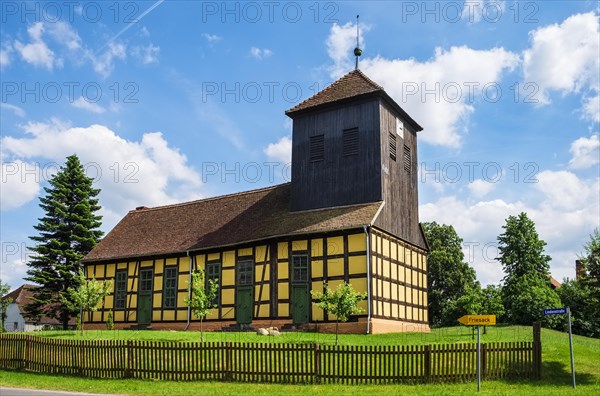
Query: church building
349	214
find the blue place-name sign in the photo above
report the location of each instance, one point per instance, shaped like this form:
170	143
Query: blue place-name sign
555	311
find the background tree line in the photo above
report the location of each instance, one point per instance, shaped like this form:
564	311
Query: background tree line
526	288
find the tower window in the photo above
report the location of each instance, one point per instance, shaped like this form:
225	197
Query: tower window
317	147
407	159
392	146
350	141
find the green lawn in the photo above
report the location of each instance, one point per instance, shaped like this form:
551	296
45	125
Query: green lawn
556	372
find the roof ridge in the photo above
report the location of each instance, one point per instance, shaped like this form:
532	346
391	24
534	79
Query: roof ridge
209	198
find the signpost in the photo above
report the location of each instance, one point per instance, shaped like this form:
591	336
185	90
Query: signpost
562	311
478	320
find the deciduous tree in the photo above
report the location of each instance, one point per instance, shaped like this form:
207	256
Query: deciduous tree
86	297
202	297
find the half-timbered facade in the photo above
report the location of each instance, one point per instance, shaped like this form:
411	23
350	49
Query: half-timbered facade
350	214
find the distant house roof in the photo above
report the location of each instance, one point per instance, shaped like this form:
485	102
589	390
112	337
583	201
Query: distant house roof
350	86
222	221
554	282
22	296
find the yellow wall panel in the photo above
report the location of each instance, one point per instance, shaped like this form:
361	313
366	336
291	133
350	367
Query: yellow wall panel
357	265
259	254
386	248
184	264
401	254
131	283
401	312
214	256
317	313
394	251
171	261
316	247
409	314
282	250
181	296
394	291
122	266
357	242
386	268
159	266
183	281
263	311
155	316
228	258
97	316
364	304
119	316
387	309
395	309
228	277
401	271
359	285
335	267
182	315
133	299
108	302
131	269
415	313
414	259
110	270
199	260
228	314
258	272
265	293
334	283
283	310
282	271
317	268
317	286
132	316
335	245
283	292
245	252
158	282
424	263
227	296
415	296
386	289
147	263
299	245
394	271
401	291
157	300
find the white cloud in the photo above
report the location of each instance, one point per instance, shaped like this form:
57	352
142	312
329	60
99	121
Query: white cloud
103	64
585	152
146	54
36	52
129	173
258	53
480	188
82	103
565	57
340	44
565	210
19	112
213	38
20	183
490	10
5	52
280	151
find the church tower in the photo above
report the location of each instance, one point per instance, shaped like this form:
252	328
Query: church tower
352	144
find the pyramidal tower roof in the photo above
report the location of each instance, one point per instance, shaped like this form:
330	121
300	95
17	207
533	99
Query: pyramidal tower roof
351	85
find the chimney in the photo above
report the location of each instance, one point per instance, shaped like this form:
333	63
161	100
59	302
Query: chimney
141	208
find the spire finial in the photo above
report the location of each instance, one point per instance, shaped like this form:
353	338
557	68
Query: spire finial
357	50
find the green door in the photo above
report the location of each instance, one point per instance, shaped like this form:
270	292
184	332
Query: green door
300	303
144	304
243	306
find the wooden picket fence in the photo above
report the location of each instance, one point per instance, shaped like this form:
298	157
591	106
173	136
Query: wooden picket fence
274	363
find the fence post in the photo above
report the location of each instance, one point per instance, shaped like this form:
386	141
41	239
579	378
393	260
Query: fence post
427	363
228	362
483	360
25	364
317	360
129	367
537	350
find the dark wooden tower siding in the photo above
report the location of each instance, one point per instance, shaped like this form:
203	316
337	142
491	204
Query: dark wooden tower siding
353	144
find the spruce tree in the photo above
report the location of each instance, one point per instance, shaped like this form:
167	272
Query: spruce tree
67	232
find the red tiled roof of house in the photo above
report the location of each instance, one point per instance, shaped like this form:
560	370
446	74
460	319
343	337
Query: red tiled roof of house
352	85
222	221
22	296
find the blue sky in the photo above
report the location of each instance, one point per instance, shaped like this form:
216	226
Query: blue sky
171	101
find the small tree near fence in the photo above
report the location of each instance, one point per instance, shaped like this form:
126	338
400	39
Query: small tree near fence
4	302
341	302
86	297
202	298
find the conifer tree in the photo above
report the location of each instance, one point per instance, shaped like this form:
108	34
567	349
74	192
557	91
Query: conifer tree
67	231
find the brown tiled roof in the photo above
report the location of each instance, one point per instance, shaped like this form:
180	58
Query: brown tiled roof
351	85
221	221
22	296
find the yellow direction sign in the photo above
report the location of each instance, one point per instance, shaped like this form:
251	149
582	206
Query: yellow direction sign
478	320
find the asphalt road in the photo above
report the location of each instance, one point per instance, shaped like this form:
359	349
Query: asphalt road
38	392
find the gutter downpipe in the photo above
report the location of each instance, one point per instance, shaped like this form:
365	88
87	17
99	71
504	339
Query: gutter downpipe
189	310
368	236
